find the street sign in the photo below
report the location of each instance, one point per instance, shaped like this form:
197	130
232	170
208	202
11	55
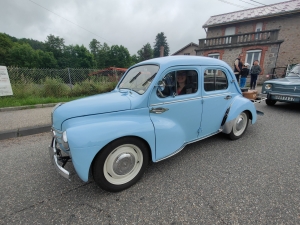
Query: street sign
5	86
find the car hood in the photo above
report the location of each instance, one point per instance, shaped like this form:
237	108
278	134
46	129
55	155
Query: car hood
285	81
97	104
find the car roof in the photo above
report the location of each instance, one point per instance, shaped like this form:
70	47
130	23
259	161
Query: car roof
184	60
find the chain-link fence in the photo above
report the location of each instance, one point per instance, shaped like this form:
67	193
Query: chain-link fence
62	82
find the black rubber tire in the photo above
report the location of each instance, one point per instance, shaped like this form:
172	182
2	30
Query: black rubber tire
98	167
238	133
270	102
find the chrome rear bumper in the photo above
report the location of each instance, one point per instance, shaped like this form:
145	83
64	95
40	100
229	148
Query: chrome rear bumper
54	157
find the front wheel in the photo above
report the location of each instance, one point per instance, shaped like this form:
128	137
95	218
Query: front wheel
270	102
239	126
120	164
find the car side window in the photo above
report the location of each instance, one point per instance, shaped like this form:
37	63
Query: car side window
179	82
215	80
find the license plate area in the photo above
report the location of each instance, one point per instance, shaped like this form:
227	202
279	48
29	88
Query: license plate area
284	98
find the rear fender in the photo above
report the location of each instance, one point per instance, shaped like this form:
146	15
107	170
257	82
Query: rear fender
239	105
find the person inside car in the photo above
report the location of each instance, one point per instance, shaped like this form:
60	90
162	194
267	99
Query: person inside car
182	85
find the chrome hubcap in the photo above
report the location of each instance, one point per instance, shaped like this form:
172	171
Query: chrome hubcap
239	124
123	163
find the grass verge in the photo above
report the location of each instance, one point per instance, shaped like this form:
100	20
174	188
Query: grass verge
28	93
11	101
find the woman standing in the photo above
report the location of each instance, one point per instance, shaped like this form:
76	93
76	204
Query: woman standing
254	72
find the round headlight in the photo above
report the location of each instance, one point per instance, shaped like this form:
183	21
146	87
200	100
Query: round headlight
268	86
64	136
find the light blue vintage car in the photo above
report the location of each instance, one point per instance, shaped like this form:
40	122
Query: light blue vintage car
158	107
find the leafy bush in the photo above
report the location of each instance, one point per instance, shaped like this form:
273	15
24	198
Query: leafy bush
23	90
89	87
55	88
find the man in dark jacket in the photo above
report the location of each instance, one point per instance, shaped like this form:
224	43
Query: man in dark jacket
238	67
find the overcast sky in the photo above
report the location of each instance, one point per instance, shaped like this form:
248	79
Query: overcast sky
131	23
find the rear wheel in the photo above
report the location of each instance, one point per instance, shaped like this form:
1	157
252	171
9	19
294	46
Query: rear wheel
270	102
120	164
239	126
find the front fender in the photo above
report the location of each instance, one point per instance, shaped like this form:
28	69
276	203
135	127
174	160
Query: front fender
88	135
239	105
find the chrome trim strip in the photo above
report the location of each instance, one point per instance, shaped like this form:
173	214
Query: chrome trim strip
191	99
185	144
53	157
217	95
181	100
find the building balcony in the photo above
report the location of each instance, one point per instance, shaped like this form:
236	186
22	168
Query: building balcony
240	40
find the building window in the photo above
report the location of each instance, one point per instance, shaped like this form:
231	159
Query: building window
258	28
251	56
229	31
186	53
215	55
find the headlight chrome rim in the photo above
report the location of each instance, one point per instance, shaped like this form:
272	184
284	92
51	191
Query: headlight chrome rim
268	86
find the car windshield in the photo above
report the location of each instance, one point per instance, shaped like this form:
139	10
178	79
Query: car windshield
295	71
139	78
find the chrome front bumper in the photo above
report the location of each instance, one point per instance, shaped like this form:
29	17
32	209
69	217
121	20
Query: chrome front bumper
54	157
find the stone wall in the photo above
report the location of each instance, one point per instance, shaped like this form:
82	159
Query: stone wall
289	26
272	55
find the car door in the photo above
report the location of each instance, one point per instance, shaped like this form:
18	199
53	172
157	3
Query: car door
176	115
217	97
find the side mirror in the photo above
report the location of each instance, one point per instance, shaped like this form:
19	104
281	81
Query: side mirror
161	85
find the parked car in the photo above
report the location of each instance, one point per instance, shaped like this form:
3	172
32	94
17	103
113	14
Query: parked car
285	89
149	116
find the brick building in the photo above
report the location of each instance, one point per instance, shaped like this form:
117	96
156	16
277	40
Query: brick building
269	33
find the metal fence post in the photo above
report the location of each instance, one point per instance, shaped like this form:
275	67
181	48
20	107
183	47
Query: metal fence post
70	78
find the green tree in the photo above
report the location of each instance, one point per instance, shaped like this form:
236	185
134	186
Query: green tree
23	55
5	45
134	59
161	40
46	59
95	47
119	57
33	43
78	57
56	45
103	56
146	52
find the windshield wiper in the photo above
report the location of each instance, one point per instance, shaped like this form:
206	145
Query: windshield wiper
136	76
149	79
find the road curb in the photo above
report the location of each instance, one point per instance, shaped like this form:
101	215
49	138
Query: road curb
24	131
27	107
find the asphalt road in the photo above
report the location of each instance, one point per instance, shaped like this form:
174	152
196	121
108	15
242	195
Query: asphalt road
253	180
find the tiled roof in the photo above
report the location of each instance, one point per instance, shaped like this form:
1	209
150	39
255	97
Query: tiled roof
190	44
254	13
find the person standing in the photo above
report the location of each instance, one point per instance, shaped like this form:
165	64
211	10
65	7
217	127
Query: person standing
254	72
238	67
244	74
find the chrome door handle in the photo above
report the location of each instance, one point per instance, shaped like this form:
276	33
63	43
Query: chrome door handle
227	97
158	110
